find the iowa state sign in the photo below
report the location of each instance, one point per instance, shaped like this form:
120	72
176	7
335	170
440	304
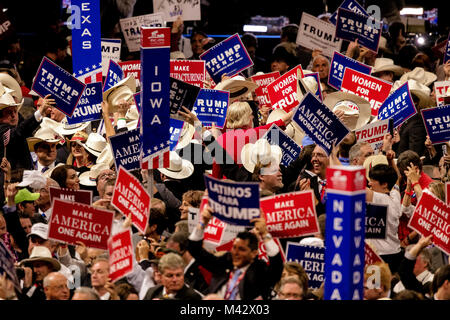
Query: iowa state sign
432	217
399	106
71	222
120	248
227	57
233	202
189	71
130	197
337	68
290	215
283	91
367	87
63	87
262	81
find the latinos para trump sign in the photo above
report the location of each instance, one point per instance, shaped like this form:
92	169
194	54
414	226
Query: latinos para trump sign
367	87
319	123
290	215
233	202
130	197
432	216
120	250
71	222
89	108
437	123
63	87
350	5
227	57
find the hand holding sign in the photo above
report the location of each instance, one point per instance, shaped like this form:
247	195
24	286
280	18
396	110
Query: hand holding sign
45	104
188	116
260	226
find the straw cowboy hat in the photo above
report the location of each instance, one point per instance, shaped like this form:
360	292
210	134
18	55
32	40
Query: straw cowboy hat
357	110
292	129
89	178
123	90
63	127
372	161
95	144
179	168
422	92
12	84
385	64
187	132
42	254
79	136
420	75
238	87
260	152
132	113
106	156
44	135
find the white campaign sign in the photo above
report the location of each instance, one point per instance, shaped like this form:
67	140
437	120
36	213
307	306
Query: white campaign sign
110	51
189	10
131	28
314	33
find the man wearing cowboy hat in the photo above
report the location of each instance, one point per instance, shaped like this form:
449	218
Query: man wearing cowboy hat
173	176
385	69
43	144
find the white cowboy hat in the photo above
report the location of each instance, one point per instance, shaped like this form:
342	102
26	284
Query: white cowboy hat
106	156
94	144
385	64
420	75
179	168
238	87
41	253
12	84
186	135
357	110
89	178
132	113
63	127
44	134
422	92
372	161
261	151
32	179
292	129
131	125
7	100
123	90
5	89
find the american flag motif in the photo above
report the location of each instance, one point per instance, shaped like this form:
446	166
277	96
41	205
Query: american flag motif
90	74
6	137
160	160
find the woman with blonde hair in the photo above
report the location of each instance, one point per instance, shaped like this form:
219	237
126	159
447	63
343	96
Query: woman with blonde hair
79	157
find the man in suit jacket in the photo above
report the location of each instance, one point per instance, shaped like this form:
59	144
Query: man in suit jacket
171	269
239	274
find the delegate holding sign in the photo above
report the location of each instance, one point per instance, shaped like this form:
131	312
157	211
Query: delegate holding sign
63	87
319	123
398	106
227	57
290	215
283	90
233	202
437	123
71	222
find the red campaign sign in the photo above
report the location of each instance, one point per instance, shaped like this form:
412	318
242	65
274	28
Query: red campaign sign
447	192
71	222
262	254
367	87
189	71
283	91
120	250
262	81
432	216
290	214
349	179
80	196
132	68
370	256
155	37
214	230
130	196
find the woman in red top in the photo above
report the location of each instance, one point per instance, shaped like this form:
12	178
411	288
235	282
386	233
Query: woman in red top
239	132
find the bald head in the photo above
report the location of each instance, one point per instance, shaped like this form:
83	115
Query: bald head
55	286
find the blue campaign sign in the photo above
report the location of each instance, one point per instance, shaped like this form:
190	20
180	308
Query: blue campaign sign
176	126
289	147
337	69
211	107
89	108
114	75
344	242
376	216
351	26
312	260
86	39
63	87
233	202
319	123
155	99
437	123
227	57
126	149
398	106
447	50
350	5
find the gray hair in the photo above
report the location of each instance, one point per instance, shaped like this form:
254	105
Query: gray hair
170	261
425	255
93	295
355	150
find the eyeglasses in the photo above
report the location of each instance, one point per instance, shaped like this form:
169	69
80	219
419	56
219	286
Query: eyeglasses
318	155
106	175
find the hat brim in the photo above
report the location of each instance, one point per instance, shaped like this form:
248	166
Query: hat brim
187	169
237	88
32	141
129	82
363	105
88	149
86	181
186	136
55	263
397	70
246	154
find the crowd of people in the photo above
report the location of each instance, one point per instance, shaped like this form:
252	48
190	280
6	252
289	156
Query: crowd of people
40	150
